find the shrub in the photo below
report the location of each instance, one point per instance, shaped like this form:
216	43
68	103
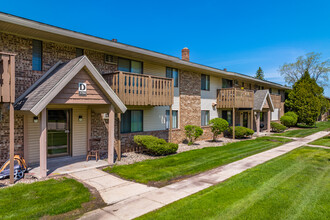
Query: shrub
277	127
192	133
294	116
241	132
155	146
218	125
288	121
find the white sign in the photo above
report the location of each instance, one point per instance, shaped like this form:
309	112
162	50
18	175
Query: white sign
82	89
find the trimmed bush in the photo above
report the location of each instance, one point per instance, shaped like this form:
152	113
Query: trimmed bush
218	125
241	132
155	146
288	121
192	133
277	127
293	115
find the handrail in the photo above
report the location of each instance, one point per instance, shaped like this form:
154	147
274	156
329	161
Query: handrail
235	98
138	74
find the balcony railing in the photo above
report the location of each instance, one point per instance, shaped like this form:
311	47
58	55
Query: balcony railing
7	77
140	89
235	98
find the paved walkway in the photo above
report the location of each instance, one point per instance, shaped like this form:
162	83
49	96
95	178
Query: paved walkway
154	198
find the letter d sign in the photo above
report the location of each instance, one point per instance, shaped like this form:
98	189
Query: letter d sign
82	89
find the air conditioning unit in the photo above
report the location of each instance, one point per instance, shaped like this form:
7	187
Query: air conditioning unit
109	59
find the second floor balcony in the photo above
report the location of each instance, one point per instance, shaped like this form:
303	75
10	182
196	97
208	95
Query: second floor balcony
7	77
142	90
235	98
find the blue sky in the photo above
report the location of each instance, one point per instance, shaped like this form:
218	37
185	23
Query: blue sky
237	35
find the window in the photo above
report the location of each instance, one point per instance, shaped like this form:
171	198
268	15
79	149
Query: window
173	74
270	90
37	55
227	115
79	52
279	92
174	119
205	82
132	121
108	58
275	114
226	83
132	66
243	84
205	117
250	86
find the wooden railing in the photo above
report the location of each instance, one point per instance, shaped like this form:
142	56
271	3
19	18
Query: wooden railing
235	98
276	100
7	77
140	89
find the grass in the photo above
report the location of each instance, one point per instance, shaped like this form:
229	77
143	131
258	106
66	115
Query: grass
162	171
303	132
293	186
325	141
51	197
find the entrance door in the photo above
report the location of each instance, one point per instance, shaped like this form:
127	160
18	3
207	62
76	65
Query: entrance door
58	133
245	119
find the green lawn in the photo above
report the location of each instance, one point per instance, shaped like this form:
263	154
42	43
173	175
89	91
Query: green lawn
161	171
51	197
325	141
303	132
293	186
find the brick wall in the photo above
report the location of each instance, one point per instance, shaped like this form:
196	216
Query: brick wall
4	135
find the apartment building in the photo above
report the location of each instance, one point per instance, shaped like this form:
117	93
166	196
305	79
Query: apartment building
69	87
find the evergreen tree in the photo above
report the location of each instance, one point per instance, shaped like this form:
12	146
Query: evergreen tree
306	99
260	74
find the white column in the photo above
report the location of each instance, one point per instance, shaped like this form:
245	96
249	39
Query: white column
43	143
111	134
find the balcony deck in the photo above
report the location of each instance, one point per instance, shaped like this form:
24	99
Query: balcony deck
142	90
235	98
7	78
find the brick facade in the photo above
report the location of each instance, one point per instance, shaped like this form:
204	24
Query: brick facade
4	134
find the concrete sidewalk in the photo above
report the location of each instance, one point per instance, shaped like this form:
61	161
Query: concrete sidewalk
142	203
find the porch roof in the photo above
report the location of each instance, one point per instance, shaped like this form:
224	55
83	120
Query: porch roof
260	98
42	92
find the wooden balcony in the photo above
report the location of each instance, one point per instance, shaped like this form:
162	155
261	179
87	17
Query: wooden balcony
7	78
142	90
235	98
276	100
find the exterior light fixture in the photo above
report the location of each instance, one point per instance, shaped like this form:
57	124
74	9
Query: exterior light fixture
80	118
35	119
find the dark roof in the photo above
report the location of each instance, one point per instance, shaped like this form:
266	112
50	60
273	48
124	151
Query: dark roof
45	85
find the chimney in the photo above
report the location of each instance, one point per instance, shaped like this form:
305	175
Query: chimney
225	69
114	40
185	54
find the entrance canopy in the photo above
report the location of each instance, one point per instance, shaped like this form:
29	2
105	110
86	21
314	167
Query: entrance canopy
262	100
48	87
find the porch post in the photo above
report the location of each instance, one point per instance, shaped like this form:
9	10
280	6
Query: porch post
111	134
171	125
43	143
234	116
258	122
119	137
268	121
11	142
252	119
